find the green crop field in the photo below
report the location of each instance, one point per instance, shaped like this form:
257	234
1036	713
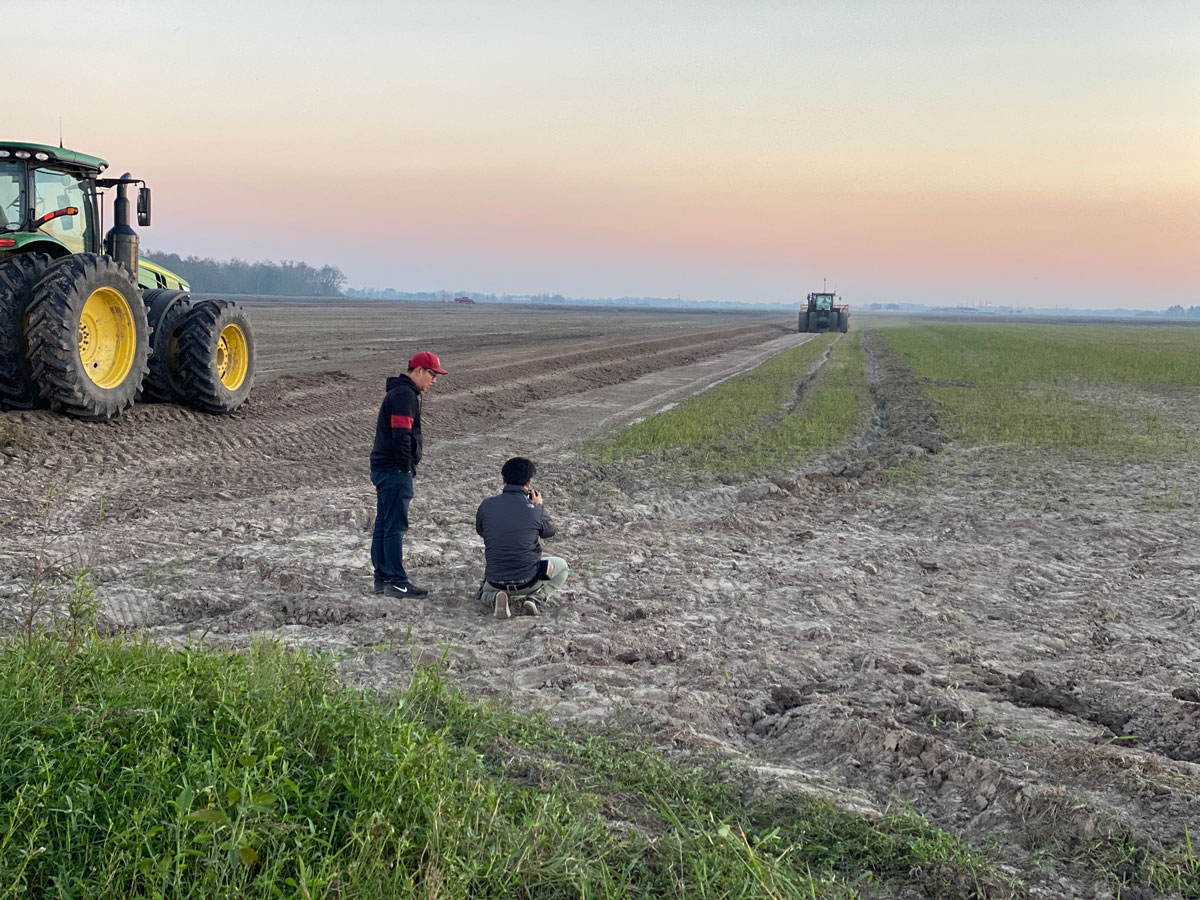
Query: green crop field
1102	389
768	419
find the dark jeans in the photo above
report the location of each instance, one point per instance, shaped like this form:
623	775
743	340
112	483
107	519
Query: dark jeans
393	493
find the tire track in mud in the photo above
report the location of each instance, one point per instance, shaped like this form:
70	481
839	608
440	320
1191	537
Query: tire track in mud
300	421
915	715
1024	717
164	464
904	422
941	750
570	418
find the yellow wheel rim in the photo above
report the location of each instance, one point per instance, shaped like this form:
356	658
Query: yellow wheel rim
107	338
233	357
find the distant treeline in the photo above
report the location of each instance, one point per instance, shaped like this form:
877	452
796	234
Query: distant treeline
237	276
560	300
393	294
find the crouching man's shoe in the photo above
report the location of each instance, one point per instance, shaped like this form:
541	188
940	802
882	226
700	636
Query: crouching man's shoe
529	607
500	611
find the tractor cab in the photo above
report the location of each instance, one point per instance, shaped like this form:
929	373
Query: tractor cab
49	203
48	200
822	302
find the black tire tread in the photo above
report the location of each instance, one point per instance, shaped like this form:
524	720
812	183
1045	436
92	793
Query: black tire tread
18	274
197	356
163	384
52	335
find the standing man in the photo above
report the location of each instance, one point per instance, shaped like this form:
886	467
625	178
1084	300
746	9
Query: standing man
394	459
511	525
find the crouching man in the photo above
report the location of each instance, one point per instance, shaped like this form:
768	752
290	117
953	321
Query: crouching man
517	577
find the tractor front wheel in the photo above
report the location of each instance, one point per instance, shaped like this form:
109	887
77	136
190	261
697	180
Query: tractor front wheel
18	274
88	337
216	356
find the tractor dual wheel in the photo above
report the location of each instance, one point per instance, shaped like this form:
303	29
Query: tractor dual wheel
215	356
803	322
843	321
166	310
87	336
18	274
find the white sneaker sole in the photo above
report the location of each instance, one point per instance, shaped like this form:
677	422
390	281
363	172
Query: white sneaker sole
500	611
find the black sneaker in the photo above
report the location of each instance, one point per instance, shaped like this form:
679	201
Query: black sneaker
379	586
404	590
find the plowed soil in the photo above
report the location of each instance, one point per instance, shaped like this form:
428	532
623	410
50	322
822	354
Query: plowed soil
1008	644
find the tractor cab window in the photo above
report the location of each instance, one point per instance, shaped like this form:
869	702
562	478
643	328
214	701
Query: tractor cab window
57	190
824	301
12	195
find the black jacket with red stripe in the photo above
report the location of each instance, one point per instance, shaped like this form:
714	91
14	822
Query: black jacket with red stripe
398	429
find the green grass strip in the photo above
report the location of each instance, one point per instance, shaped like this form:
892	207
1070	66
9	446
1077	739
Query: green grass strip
1069	387
754	423
1051	354
129	770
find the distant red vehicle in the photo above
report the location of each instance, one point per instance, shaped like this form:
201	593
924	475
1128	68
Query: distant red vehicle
463	300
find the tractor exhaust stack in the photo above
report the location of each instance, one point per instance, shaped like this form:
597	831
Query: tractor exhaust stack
121	242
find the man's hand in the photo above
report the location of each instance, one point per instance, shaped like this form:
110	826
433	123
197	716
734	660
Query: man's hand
536	496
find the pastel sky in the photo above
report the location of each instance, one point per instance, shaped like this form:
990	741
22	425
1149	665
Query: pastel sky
1018	152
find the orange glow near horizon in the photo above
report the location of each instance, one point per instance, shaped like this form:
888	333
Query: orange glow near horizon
669	150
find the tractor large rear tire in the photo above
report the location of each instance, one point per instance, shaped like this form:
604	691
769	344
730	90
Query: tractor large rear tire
88	337
216	356
843	320
18	275
167	311
804	321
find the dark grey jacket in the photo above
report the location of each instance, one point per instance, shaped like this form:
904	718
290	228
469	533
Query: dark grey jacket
511	525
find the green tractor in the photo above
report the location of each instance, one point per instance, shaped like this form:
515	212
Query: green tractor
88	328
824	314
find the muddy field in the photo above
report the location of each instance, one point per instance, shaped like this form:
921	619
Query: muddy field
1008	644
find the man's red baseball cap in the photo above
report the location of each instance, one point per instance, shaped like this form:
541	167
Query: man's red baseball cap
427	360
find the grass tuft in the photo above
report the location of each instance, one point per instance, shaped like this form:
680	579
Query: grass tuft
14	438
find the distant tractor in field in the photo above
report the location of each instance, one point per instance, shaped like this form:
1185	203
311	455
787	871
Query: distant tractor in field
86	327
824	314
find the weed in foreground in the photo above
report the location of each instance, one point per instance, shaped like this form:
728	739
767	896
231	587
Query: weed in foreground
58	591
14	438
